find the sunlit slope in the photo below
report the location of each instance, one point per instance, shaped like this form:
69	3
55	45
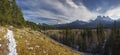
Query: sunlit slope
31	42
3	42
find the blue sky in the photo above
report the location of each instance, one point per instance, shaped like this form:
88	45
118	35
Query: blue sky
65	11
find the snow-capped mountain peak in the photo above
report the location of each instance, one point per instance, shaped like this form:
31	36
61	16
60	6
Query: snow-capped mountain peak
103	18
78	22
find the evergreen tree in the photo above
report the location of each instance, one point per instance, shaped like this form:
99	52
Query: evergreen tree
82	41
100	34
113	43
17	16
5	10
10	14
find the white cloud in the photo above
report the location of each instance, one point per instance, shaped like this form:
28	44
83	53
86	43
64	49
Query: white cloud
71	3
98	9
113	13
67	14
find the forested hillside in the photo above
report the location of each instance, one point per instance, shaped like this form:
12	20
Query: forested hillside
10	13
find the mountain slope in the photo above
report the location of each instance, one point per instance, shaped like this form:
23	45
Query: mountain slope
104	20
74	24
12	42
31	42
3	42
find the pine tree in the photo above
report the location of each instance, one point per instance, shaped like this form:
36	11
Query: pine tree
17	16
113	43
82	41
10	14
5	11
100	34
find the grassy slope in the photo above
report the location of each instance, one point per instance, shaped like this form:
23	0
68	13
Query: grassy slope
31	42
3	42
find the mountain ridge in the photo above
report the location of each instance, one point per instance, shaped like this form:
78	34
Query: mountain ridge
106	21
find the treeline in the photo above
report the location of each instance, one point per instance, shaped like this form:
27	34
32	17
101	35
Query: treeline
112	46
11	14
95	41
38	27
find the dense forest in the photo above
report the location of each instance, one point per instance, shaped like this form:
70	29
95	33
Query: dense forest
97	41
10	13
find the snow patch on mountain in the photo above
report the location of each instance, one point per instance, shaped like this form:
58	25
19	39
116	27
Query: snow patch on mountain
12	43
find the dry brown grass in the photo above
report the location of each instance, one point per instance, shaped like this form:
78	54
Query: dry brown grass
3	42
31	42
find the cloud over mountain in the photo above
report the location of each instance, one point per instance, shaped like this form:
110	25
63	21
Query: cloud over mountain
64	11
114	13
55	9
